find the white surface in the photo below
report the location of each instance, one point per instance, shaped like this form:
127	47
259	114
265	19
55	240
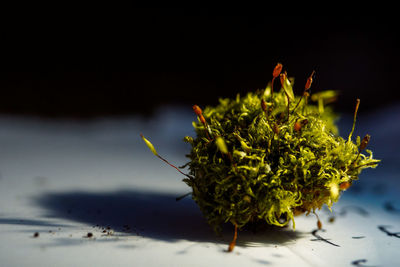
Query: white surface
63	178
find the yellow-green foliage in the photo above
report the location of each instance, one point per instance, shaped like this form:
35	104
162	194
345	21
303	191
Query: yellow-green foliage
254	165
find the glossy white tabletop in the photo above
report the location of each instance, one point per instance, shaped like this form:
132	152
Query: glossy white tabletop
65	179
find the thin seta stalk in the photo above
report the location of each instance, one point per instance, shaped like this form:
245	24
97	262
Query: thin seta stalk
366	138
319	223
152	149
354	119
183	196
283	78
363	145
199	114
276	72
306	91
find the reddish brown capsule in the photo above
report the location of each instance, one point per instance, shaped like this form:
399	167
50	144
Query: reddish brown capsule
309	81
197	110
275	128
365	142
202	119
283	78
277	70
264	105
344	185
297	126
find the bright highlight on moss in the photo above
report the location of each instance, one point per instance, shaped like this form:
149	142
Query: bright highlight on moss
221	145
270	155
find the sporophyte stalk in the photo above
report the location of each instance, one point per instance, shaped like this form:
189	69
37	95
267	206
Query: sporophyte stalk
268	156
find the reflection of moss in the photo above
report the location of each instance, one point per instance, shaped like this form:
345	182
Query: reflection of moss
253	161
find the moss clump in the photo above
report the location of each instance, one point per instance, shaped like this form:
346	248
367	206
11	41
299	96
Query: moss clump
268	156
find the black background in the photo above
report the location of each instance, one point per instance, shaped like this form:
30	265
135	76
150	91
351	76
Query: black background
133	62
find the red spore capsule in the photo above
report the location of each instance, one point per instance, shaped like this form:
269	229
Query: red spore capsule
365	142
309	81
344	185
277	70
297	126
197	110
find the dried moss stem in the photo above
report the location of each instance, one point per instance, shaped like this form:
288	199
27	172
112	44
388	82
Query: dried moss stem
233	242
354	119
183	196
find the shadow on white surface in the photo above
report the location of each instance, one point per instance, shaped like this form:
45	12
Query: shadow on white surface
47	161
152	215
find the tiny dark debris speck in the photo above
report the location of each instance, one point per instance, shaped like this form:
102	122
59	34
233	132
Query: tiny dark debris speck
36	234
358	237
89	235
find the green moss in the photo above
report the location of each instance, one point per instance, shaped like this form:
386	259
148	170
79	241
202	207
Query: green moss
268	156
275	165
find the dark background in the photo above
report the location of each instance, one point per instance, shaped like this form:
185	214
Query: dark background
122	64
